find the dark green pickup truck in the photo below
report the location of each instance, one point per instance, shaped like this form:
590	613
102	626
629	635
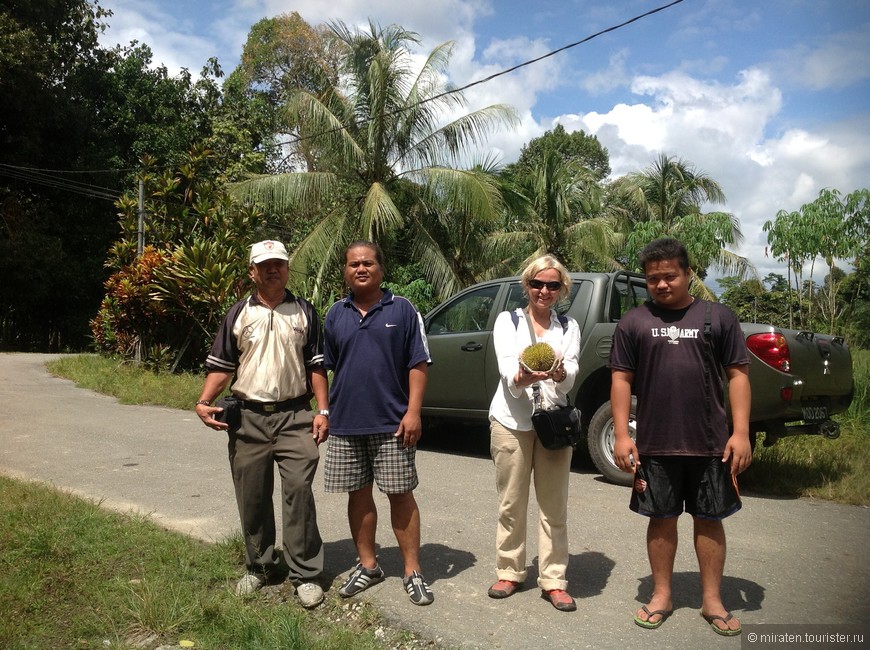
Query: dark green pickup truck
799	379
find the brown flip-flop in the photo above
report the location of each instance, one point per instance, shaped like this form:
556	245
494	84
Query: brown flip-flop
649	625
727	631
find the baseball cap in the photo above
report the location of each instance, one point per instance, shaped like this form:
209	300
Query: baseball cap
268	250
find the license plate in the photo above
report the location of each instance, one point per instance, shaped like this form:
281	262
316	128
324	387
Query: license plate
812	413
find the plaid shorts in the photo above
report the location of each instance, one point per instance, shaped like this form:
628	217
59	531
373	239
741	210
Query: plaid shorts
353	462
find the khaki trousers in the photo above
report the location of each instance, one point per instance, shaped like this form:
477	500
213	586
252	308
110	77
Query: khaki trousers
517	456
263	441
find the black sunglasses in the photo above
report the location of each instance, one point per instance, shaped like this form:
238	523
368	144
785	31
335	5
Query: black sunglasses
539	284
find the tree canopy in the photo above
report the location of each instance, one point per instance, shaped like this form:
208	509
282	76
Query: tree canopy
665	199
382	158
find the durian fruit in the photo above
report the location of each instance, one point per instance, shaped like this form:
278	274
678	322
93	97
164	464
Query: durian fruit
538	357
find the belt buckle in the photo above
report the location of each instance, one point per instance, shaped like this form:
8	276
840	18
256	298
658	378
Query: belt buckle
269	408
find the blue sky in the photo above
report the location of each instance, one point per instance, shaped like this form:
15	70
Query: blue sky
771	98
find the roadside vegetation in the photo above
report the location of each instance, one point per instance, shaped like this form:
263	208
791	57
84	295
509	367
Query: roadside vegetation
73	575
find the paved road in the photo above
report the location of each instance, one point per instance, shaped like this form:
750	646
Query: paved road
790	560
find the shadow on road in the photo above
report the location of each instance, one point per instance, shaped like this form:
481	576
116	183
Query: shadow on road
737	593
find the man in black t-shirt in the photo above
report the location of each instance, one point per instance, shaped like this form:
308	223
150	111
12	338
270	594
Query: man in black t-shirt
686	457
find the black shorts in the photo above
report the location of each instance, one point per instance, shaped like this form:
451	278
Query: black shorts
703	486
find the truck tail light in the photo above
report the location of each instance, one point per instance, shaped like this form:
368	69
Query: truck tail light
772	348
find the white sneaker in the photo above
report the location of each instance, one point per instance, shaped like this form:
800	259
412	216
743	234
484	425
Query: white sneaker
310	594
249	584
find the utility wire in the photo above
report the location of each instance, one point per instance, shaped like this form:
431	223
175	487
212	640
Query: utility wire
549	54
501	73
41	176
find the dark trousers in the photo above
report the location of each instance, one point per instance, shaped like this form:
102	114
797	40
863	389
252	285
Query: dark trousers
283	437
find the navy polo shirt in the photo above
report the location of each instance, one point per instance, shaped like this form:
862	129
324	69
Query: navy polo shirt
371	357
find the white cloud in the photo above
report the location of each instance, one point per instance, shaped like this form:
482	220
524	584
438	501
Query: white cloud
611	77
176	41
834	62
435	21
720	129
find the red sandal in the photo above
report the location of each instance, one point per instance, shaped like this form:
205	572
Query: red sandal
560	599
503	589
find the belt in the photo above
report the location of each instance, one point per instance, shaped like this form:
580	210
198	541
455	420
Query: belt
273	407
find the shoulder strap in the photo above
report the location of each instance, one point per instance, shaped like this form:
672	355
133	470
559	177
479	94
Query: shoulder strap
563	321
707	350
536	388
532	336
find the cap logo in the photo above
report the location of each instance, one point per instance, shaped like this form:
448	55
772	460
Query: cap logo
268	245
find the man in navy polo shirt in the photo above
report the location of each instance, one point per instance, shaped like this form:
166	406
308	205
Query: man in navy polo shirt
377	349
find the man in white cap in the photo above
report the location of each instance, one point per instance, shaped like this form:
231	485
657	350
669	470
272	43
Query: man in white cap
270	346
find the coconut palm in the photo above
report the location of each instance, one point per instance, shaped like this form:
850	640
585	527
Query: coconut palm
381	159
665	200
561	211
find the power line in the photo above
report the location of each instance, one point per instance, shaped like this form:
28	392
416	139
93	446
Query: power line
503	72
42	177
549	54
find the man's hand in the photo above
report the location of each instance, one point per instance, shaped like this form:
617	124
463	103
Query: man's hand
206	414
320	429
739	451
410	429
624	450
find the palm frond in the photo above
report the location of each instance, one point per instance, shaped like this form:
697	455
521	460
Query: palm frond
286	192
379	214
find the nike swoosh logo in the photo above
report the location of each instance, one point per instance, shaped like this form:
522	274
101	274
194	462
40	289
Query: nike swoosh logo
391	325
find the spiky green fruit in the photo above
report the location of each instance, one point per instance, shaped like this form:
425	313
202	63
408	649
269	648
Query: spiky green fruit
539	357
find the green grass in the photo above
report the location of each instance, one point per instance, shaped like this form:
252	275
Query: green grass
129	382
73	575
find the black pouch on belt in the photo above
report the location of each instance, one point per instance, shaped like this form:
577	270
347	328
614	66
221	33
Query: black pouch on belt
231	414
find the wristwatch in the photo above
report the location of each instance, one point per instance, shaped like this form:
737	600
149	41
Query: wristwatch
323	412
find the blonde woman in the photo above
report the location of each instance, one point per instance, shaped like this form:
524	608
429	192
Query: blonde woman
516	450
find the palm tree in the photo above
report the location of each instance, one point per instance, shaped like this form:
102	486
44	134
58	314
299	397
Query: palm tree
665	200
380	159
561	211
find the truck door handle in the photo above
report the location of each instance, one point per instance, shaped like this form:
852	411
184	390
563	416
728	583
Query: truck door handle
471	347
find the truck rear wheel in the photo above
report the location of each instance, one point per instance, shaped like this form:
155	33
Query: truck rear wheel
600	440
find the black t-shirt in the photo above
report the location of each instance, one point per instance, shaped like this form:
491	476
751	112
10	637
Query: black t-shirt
664	350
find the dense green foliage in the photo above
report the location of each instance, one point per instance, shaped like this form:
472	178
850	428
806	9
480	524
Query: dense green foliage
379	165
665	200
322	135
830	228
76	123
163	306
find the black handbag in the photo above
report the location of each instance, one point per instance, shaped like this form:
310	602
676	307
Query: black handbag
559	427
